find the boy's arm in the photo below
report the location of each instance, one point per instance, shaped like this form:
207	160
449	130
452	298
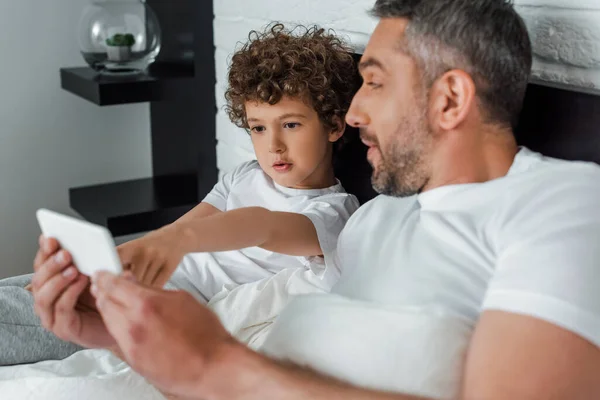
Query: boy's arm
281	232
202	210
154	257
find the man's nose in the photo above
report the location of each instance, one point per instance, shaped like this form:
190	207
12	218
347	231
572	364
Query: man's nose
356	117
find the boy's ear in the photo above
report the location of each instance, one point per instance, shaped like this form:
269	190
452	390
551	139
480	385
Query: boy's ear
337	132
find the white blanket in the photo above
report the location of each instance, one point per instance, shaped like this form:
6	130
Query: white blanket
247	311
89	375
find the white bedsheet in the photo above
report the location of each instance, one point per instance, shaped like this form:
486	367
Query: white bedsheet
87	375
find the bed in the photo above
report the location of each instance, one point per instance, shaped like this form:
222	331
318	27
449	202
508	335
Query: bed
555	121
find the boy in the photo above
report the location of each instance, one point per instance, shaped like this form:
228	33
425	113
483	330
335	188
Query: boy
285	210
272	222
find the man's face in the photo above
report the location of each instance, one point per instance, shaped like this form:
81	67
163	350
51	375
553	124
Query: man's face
391	111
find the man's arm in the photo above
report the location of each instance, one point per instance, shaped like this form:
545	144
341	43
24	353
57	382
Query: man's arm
119	354
244	374
180	346
281	232
511	357
517	357
539	332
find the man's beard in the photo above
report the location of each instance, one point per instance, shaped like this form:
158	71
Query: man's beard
401	171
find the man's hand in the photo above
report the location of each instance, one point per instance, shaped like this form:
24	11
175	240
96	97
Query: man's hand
153	258
168	337
62	299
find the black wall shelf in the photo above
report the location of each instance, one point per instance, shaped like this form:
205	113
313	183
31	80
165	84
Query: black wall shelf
105	90
139	205
180	87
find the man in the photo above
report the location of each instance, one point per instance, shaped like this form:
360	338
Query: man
475	276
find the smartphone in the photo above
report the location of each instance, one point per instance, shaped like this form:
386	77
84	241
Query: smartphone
91	246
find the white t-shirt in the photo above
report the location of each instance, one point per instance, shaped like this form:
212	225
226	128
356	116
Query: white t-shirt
206	274
417	273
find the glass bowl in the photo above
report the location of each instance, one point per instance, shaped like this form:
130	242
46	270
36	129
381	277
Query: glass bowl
119	37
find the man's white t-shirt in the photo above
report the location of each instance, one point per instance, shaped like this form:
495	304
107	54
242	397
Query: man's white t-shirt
206	274
418	272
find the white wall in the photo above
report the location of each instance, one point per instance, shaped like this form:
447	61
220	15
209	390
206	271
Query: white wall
566	36
51	140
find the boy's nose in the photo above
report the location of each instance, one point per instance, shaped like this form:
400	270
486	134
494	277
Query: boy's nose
276	146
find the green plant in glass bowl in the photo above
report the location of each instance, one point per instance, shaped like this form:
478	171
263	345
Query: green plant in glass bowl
118	47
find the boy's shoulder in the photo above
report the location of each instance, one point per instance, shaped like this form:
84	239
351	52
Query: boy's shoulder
246	167
242	171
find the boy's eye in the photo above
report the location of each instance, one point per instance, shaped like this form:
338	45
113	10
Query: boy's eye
291	125
373	85
257	129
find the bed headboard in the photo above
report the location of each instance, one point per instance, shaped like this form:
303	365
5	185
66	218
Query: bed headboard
555	122
561	123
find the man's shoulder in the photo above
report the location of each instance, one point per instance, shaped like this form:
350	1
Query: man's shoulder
382	207
557	183
383	203
549	183
551	196
554	173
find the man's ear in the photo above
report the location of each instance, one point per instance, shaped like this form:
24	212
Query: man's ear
338	131
452	98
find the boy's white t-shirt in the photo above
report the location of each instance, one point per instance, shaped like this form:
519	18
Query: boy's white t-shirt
206	274
418	272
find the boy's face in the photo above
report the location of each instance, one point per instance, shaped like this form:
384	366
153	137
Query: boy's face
291	144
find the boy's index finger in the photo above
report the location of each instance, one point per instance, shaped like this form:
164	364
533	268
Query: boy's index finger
118	288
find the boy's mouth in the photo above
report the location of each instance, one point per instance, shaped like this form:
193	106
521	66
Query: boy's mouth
281	166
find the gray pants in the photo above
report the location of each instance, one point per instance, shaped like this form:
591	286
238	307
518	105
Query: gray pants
22	338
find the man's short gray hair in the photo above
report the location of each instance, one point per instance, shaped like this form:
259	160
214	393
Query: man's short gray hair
485	38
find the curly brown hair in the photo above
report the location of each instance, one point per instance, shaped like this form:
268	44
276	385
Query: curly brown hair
311	64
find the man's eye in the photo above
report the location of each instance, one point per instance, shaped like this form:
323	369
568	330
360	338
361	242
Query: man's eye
257	129
291	125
